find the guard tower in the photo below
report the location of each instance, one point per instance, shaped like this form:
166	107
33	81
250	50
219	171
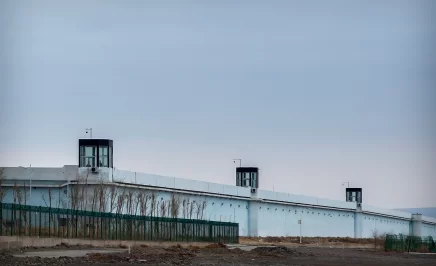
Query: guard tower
247	177
354	195
95	153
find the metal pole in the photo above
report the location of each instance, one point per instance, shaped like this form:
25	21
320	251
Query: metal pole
30	187
90	131
300	230
348	183
240	161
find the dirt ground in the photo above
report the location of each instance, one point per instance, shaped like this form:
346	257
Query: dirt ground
314	241
218	254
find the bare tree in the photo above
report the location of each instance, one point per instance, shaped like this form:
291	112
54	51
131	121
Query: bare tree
17	194
59	198
163	208
130	198
78	195
120	202
3	190
98	203
185	207
113	196
168	211
102	196
378	238
94	199
175	205
77	198
47	199
191	209
200	206
48	202
25	195
24	214
153	208
140	203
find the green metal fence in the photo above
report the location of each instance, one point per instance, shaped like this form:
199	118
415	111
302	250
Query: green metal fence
402	243
25	220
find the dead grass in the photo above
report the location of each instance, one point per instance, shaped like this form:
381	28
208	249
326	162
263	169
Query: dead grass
194	248
215	245
310	240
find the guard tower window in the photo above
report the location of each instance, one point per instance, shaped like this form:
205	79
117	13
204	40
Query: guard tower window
88	155
254	179
247	180
111	156
238	180
103	156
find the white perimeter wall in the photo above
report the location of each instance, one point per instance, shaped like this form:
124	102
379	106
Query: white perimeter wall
428	229
282	220
276	214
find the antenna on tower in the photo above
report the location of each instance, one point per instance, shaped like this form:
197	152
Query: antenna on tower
89	130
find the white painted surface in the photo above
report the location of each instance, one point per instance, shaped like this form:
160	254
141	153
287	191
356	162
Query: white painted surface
428	230
368	208
271	214
429	219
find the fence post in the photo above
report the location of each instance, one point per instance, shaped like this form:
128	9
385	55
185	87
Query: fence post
40	221
77	221
109	229
143	228
1	219
171	228
116	226
19	221
177	229
30	222
151	228
59	226
68	223
12	219
49	221
101	225
237	233
210	232
84	226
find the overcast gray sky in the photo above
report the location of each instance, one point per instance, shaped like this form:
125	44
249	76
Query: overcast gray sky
314	93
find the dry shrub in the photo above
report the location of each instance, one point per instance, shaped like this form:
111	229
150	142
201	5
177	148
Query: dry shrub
422	249
273	239
311	240
216	245
174	247
194	248
96	256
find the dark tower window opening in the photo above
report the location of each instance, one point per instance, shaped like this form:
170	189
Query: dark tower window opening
88	155
353	195
247	177
103	160
95	153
